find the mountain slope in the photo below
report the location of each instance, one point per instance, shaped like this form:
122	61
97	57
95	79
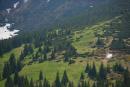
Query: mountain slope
47	14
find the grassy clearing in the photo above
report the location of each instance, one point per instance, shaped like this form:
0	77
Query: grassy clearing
5	58
84	39
50	68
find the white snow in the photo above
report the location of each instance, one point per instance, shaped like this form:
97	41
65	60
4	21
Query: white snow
5	33
16	4
8	10
109	55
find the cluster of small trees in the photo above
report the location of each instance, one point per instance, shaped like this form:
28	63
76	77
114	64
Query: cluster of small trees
103	71
70	52
118	68
12	66
100	78
20	81
28	49
92	72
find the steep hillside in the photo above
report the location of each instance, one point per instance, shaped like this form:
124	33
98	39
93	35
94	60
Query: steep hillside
84	41
42	14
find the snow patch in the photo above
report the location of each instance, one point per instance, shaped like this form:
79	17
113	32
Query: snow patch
16	4
8	10
5	33
109	55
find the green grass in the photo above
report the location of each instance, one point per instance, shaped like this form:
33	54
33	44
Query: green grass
16	51
50	68
6	56
85	38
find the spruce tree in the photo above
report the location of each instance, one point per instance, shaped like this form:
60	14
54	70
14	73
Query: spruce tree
26	82
94	72
21	57
9	82
12	62
6	70
45	56
87	68
31	83
120	83
126	80
46	83
19	66
57	81
16	78
102	72
53	55
41	75
65	79
82	77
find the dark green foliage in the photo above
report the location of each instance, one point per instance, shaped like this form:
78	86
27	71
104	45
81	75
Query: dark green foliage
99	43
118	44
41	75
26	82
82	77
16	78
19	66
31	83
9	82
65	79
53	54
46	83
28	49
40	50
108	69
118	68
12	62
126	81
46	49
102	72
119	83
87	68
21	57
83	84
57	81
70	52
11	66
6	70
45	56
92	73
